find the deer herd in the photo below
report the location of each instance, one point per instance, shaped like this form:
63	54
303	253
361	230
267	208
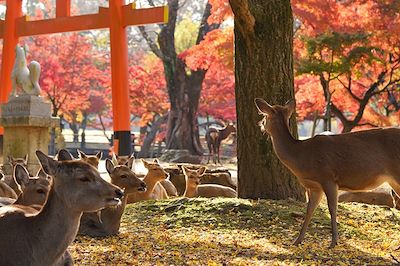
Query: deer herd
41	214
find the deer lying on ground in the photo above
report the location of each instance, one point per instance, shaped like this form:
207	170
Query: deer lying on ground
90	159
107	222
214	136
152	179
382	196
195	189
129	161
30	237
34	189
324	164
9	179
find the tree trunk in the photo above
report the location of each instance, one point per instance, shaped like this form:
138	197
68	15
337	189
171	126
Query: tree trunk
264	68
151	136
183	88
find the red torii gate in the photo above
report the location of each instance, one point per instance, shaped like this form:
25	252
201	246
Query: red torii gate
117	17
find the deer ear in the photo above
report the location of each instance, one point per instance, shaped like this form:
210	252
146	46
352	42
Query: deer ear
109	166
41	174
184	170
21	175
201	170
49	165
1	175
82	155
290	107
263	107
99	155
146	164
131	160
156	161
64	155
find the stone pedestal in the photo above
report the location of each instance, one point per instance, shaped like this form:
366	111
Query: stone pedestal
26	120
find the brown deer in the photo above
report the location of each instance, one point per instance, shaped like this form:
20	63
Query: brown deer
354	161
107	222
152	179
31	237
382	196
214	136
123	160
9	179
90	159
34	189
195	189
129	161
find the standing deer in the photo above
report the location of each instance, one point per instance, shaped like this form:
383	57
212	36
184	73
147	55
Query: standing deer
195	189
214	136
324	164
107	222
30	237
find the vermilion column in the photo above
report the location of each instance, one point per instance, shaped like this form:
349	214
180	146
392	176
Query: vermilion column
119	77
13	12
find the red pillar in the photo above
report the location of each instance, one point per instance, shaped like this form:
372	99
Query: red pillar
13	12
119	77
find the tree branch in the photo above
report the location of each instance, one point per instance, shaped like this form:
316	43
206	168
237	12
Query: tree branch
151	43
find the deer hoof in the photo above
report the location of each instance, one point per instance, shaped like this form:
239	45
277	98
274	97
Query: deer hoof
297	242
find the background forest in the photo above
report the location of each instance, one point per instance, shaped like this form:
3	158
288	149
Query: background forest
346	67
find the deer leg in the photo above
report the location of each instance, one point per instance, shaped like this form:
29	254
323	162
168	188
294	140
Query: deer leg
331	192
218	153
314	197
209	152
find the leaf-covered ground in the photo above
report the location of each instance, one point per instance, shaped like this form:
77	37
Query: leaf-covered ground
243	232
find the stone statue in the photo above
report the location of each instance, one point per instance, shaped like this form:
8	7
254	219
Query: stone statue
25	77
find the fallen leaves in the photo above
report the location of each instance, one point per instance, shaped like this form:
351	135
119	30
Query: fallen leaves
242	232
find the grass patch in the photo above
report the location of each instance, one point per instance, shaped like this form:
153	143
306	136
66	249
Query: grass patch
242	232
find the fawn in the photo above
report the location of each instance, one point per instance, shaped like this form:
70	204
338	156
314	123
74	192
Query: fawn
34	189
107	222
152	179
129	161
214	136
195	189
31	237
324	164
90	159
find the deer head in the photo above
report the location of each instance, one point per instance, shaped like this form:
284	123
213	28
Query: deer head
192	177
13	161
90	159
155	170
123	177
123	160
34	189
274	116
80	185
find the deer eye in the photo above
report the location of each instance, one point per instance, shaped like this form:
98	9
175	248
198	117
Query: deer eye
124	176
40	191
84	179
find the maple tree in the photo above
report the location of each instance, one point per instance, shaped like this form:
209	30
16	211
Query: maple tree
349	49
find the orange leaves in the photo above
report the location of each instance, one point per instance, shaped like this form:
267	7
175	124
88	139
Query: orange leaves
216	48
220	11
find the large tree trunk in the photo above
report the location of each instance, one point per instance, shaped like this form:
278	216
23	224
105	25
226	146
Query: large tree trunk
183	88
264	68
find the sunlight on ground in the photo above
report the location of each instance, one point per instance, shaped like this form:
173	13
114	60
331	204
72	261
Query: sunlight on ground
242	232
